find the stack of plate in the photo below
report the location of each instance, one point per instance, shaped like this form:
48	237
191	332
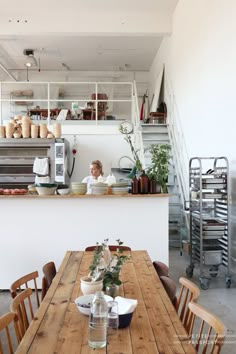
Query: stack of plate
120	188
78	188
99	188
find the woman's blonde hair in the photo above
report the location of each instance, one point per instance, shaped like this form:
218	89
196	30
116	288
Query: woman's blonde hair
99	166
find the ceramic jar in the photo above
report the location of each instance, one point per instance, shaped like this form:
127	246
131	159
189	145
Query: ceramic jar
25	129
43	131
34	131
9	130
2	132
57	130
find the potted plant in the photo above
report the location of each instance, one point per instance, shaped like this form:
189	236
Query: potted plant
138	168
111	277
159	168
104	269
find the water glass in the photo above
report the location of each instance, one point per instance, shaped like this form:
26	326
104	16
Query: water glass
112	315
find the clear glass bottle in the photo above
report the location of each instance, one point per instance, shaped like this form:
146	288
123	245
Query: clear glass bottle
98	321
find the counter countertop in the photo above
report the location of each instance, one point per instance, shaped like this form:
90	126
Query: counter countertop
87	196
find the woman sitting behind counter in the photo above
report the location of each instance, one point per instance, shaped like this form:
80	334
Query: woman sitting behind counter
95	171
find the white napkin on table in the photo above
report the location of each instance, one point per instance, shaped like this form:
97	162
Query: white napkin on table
41	166
125	305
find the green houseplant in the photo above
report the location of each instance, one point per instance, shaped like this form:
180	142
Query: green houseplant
159	168
105	268
112	273
138	168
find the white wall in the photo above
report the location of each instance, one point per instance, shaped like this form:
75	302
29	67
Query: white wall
200	59
103	143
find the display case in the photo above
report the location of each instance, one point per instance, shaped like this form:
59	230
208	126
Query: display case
209	218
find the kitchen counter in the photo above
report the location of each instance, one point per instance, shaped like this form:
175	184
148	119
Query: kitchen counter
84	196
36	229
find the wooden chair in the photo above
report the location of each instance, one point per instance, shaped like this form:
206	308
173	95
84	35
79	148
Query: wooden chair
170	288
6	321
188	292
161	268
215	331
19	308
23	282
112	248
49	271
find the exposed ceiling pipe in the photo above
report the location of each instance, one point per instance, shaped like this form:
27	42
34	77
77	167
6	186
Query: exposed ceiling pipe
8	72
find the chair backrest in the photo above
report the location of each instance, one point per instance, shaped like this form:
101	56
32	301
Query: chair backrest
23	282
49	271
6	321
161	268
170	287
18	306
188	292
112	248
211	333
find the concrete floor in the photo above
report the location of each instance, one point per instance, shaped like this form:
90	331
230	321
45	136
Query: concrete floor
218	299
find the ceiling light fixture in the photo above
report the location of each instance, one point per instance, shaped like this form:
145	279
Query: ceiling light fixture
30	60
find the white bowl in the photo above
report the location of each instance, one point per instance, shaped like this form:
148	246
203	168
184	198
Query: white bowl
79	192
63	191
83	303
46	190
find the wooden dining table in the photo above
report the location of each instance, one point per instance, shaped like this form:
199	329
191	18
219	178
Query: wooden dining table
58	326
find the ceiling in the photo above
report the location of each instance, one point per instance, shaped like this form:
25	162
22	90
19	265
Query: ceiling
85	35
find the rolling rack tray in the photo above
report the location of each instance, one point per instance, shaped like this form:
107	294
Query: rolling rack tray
209	218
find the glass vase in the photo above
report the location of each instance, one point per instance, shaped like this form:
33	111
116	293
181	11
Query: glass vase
112	290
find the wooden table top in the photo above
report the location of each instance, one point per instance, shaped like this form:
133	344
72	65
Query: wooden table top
59	327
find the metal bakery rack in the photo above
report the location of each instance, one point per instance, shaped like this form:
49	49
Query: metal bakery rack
209	218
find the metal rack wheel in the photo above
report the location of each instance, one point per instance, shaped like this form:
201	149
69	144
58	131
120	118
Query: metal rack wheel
189	271
213	270
204	283
228	282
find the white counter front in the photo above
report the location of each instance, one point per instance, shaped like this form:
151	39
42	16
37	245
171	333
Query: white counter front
35	230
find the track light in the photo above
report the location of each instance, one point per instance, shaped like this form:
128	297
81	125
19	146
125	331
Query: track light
30	60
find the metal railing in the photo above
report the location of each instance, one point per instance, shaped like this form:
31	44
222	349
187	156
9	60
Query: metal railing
138	141
78	91
179	149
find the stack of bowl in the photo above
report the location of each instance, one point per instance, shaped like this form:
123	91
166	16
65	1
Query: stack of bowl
120	188
78	188
99	188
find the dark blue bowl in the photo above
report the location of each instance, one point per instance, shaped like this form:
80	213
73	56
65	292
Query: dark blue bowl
124	320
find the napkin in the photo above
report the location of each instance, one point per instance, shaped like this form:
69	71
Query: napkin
41	179
125	305
41	166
